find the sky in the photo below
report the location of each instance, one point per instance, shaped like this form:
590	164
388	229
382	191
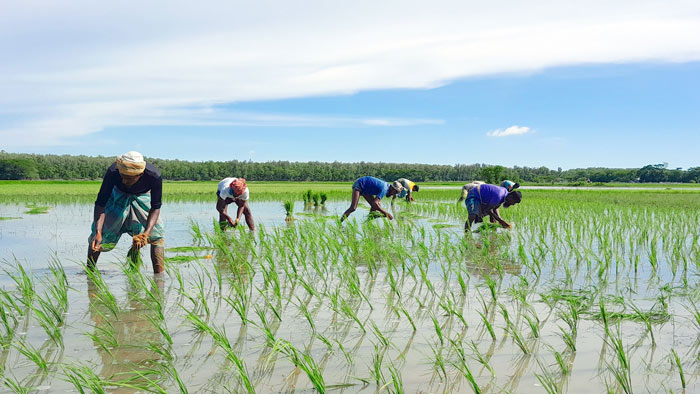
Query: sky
542	83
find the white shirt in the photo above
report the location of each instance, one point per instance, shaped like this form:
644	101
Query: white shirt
225	190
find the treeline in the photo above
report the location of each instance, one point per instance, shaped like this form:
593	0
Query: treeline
32	166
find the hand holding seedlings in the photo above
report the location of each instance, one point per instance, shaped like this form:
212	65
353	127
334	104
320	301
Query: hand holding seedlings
140	240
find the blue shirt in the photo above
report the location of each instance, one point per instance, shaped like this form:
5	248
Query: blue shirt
371	185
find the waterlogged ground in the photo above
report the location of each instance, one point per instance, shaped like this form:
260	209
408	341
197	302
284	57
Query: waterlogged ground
590	292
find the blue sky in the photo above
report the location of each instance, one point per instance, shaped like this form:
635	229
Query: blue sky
526	85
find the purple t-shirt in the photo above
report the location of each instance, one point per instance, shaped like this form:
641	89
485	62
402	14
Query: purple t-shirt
491	195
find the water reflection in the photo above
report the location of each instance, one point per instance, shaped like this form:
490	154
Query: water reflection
127	342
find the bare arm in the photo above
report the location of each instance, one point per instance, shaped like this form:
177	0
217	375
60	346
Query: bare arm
99	218
493	215
153	216
221	208
376	205
241	208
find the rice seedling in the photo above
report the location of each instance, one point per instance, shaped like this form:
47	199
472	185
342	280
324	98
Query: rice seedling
51	319
383	340
546	379
196	231
83	378
104	338
32	354
676	362
621	371
438	329
100	293
346	309
15	386
396	384
463	367
24	284
376	367
569	338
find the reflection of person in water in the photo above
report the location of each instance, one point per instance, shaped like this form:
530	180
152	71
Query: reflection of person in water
131	330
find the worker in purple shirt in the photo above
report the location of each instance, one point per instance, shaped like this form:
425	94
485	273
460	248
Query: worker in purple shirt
485	200
373	190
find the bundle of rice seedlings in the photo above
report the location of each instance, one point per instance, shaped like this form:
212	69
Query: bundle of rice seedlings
289	209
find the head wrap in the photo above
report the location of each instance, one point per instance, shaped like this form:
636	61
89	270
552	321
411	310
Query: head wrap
508	185
515	196
238	186
131	163
397	186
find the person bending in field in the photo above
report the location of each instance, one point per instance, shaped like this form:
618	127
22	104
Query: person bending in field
373	190
129	202
510	185
408	189
233	190
485	199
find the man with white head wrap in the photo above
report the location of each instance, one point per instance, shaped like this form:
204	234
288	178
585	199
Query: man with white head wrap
129	202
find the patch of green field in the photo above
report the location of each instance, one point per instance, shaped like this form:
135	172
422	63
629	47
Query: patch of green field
53	192
34	209
9	218
180	249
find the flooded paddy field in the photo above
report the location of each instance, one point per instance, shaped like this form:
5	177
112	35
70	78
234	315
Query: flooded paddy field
591	291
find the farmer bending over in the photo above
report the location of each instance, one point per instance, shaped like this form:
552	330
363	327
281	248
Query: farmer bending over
129	202
408	188
233	190
373	190
510	185
485	200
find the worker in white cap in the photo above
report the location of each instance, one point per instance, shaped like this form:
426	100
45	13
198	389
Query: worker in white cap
129	202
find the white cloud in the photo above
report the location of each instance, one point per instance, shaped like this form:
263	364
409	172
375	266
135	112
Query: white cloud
512	130
68	68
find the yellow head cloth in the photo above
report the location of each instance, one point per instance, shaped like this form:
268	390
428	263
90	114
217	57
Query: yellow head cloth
131	164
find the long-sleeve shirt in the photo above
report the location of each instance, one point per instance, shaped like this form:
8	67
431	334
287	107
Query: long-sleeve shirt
151	180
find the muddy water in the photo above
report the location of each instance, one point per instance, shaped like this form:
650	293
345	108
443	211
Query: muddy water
63	231
202	366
